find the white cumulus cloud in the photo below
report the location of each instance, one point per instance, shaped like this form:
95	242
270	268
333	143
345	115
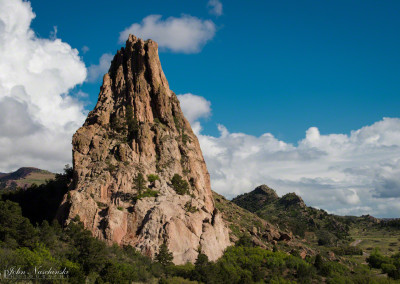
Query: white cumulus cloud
194	107
37	116
356	173
96	71
185	34
215	7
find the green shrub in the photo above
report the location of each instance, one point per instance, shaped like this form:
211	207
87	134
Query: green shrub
347	250
190	208
185	138
152	177
116	124
376	259
180	185
331	268
184	271
176	280
147	193
101	204
325	238
150	193
14	228
391	270
245	241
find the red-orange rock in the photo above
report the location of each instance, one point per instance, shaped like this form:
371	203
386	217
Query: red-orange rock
137	126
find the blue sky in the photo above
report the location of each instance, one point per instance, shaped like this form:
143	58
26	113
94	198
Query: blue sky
299	95
276	66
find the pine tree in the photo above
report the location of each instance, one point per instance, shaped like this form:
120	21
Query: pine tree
133	124
202	268
140	183
164	256
318	262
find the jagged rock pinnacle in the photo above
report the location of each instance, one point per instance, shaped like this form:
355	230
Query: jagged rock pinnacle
138	129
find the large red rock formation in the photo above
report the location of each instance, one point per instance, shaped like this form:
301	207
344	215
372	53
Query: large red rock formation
137	127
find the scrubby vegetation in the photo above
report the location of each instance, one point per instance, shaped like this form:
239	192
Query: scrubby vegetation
152	177
30	236
238	218
180	185
346	250
389	265
72	248
147	193
88	259
190	208
140	185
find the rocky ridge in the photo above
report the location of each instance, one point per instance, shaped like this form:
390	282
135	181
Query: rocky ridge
139	175
261	232
290	213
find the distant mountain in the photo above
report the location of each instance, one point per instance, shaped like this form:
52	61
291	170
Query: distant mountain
291	213
24	177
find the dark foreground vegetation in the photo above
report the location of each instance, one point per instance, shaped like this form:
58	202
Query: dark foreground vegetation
388	264
31	237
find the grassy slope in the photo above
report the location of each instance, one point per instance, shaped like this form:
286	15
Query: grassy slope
25	177
37	178
369	236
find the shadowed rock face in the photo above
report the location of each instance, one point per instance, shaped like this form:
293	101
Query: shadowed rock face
137	127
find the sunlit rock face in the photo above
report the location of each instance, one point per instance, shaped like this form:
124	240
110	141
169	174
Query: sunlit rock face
137	127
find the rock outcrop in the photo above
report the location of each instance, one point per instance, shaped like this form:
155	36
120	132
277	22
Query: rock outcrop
292	199
257	198
140	177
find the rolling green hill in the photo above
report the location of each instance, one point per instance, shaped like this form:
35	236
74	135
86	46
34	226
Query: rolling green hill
24	178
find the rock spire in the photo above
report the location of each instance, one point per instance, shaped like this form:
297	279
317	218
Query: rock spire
140	177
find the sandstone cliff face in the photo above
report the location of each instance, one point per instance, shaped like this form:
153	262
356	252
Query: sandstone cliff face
137	127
